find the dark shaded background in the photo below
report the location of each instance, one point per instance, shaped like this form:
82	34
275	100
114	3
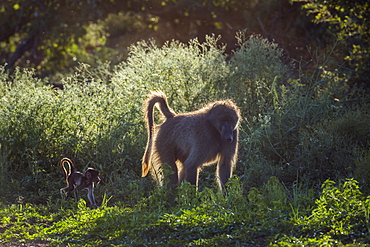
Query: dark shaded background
53	36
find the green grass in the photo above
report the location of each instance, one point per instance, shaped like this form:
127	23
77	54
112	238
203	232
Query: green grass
264	216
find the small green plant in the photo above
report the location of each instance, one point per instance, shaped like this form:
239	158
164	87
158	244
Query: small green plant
342	212
341	216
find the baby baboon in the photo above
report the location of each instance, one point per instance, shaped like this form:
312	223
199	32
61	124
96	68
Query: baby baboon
79	181
187	142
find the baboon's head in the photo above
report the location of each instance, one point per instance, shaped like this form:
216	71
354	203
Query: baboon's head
224	116
92	175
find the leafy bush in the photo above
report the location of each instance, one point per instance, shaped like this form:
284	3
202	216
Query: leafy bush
86	121
186	73
257	71
341	216
302	133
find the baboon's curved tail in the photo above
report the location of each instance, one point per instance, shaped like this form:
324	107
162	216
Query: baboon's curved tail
154	98
70	167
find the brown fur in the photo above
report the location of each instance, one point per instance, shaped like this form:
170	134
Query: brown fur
78	181
189	141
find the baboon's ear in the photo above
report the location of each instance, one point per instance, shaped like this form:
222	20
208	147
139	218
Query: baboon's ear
145	170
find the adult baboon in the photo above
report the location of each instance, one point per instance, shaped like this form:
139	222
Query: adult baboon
189	141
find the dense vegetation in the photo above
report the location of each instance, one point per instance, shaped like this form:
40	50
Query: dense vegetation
294	136
267	216
303	173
